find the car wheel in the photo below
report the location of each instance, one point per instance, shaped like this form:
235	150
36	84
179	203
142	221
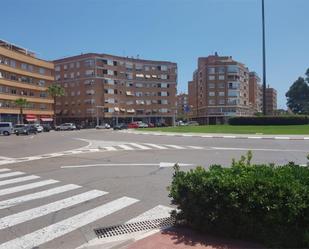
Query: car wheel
17	134
6	133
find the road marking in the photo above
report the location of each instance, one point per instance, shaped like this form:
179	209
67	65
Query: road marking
4	170
38	195
63	227
110	148
196	147
286	138
207	136
255	137
17	173
125	147
156	146
7	191
168	165
109	164
306	138
157	212
174	146
18	179
140	146
14	219
229	136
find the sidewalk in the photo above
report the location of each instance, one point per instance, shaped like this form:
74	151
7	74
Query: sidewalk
179	238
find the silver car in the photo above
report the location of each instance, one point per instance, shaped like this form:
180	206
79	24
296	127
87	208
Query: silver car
6	128
66	127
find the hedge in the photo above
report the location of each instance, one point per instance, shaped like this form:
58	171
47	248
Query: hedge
263	203
270	120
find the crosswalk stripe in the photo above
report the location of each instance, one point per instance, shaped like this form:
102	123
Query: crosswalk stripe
140	146
125	147
16	173
109	148
18	179
4	170
37	195
63	227
157	212
196	147
11	190
175	146
156	146
14	219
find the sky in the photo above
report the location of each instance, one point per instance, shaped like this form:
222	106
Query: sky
173	30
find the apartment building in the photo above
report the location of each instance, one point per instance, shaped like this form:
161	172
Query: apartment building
182	106
22	75
103	88
271	101
219	89
255	92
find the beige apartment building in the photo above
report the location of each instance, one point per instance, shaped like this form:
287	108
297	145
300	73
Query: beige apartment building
271	101
22	75
255	92
103	88
219	89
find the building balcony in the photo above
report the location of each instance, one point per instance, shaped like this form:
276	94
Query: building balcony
29	99
16	110
18	84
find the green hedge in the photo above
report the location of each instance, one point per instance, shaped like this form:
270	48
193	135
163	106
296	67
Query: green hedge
261	203
270	120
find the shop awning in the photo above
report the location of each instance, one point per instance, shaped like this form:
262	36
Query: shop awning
116	109
46	118
130	111
31	118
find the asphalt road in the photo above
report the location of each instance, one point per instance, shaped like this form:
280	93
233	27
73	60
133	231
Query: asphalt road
116	175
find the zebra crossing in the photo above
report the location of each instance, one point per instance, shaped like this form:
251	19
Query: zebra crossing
24	208
104	146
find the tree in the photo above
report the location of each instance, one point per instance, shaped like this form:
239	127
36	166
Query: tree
298	95
21	103
55	91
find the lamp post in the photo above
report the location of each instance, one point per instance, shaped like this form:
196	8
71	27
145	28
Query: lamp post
264	60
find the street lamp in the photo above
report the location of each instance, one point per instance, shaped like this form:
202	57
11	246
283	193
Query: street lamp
264	60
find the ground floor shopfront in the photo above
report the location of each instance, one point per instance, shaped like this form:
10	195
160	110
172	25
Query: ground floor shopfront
26	118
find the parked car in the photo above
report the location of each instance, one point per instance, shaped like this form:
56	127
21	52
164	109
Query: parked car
120	126
133	125
66	127
181	123
193	123
142	125
46	127
103	126
161	124
38	127
6	128
151	125
25	129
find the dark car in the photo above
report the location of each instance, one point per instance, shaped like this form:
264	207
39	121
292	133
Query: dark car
46	127
25	129
121	126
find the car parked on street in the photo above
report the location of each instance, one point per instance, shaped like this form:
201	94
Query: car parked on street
6	128
142	125
120	126
103	126
66	127
133	125
25	129
193	123
39	127
46	127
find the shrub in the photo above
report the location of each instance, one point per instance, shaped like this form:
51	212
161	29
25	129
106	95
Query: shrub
264	203
269	120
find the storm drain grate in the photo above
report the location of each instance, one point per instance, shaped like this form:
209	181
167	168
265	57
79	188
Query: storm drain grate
161	223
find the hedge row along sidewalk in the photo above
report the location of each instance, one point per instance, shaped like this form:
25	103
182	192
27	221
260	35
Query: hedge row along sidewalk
262	203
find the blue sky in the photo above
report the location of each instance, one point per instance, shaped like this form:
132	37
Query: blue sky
173	30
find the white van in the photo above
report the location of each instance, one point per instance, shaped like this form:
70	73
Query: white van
6	128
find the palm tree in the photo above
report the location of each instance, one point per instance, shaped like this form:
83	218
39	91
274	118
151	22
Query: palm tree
21	103
55	91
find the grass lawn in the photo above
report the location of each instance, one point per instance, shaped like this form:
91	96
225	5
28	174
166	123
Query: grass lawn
240	129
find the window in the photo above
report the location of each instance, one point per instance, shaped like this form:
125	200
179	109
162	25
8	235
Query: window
139	75
57	68
221	77
89	63
164	77
77	64
233	69
110	62
110	72
57	77
164	102
163	85
211	94
221	70
138	94
164	94
211	77
138	85
211	70
12	63
72	75
221	101
211	85
129	76
71	65
109	81
42	70
211	101
43	95
138	67
232	93
221	94
221	85
163	68
65	67
233	85
89	72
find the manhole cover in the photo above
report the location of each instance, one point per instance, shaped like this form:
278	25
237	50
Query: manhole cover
134	227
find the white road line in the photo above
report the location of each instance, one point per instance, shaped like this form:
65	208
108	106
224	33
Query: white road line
4	170
306	138
63	227
108	165
109	148
255	137
206	136
175	146
37	195
160	147
18	179
195	147
185	135
17	173
229	136
282	138
125	147
94	150
157	212
140	146
30	214
11	190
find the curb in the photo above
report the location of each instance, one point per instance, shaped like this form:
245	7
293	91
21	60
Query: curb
215	136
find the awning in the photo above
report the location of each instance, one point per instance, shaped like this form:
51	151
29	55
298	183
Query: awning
46	119
122	109
31	118
130	111
116	109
